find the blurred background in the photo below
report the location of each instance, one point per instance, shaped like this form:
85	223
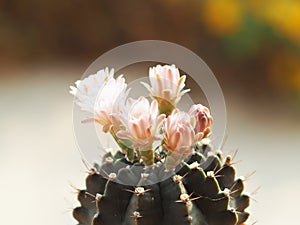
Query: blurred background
253	48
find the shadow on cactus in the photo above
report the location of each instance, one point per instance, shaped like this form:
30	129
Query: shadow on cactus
165	170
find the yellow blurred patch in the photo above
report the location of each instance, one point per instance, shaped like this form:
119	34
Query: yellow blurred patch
282	15
223	16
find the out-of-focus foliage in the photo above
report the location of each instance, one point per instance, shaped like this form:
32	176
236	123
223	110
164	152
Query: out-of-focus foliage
260	28
282	15
225	17
247	40
252	24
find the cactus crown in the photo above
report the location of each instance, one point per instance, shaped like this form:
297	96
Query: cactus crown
165	171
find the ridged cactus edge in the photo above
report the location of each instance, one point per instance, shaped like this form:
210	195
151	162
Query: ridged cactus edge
204	191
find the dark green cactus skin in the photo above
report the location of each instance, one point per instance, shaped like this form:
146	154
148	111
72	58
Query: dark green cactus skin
163	203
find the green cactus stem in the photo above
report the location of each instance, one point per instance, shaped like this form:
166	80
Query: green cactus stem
203	191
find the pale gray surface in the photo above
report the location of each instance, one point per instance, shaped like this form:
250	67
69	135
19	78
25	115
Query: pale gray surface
39	159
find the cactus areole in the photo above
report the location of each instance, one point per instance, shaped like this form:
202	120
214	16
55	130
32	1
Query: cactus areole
165	171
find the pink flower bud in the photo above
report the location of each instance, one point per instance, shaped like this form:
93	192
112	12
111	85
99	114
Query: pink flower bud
203	119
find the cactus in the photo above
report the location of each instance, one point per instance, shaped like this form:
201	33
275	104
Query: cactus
183	181
203	192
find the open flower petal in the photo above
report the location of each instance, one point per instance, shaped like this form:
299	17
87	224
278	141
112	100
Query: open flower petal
141	122
97	95
166	86
179	136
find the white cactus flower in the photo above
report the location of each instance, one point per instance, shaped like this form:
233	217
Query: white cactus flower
97	95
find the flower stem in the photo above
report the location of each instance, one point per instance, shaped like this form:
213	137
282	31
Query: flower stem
130	153
147	157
